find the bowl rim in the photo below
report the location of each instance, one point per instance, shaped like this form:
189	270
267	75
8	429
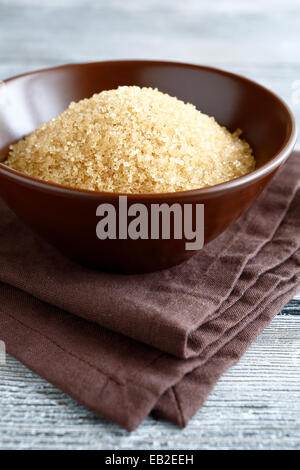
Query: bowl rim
278	159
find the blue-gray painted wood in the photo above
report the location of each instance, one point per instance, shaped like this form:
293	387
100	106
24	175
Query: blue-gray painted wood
256	405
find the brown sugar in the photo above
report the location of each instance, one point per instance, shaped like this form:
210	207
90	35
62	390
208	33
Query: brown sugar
132	140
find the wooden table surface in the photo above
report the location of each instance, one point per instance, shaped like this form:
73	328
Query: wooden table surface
256	404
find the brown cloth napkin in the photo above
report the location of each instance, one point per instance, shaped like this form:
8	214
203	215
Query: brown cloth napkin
126	346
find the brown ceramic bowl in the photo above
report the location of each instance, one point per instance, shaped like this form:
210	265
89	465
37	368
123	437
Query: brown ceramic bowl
67	217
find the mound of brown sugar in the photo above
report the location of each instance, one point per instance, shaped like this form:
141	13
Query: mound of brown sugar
132	140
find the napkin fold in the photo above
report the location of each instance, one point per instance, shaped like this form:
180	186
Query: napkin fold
126	346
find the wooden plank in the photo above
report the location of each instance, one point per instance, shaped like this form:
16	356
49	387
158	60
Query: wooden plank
255	405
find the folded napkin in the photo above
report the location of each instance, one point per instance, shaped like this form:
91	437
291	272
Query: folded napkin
126	346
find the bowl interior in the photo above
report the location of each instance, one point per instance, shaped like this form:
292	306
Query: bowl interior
235	102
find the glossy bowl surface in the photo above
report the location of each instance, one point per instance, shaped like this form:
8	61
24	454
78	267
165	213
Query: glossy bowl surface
67	218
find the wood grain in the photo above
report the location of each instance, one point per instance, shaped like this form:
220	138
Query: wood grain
256	405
